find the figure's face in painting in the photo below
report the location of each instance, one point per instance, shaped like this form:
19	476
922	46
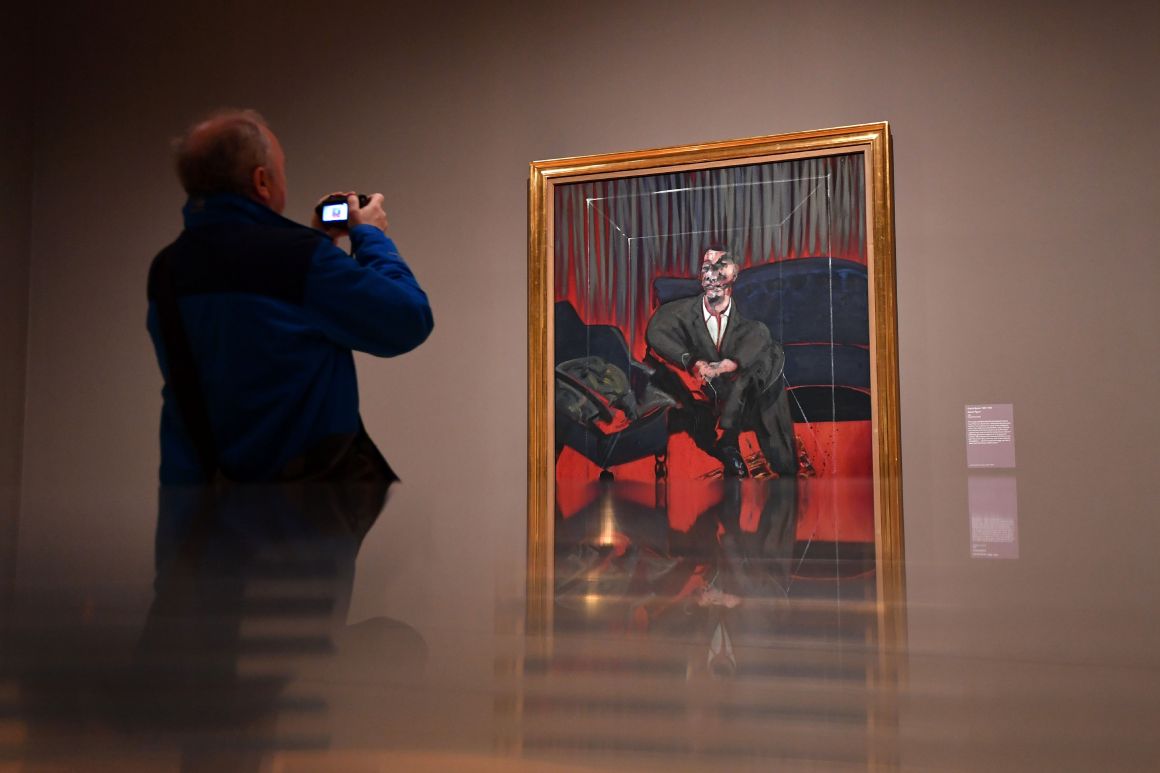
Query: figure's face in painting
718	272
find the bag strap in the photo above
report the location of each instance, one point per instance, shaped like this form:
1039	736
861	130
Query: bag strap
182	377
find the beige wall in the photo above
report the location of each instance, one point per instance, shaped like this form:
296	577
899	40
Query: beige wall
1026	209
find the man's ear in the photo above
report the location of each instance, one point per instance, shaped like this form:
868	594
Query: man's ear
260	179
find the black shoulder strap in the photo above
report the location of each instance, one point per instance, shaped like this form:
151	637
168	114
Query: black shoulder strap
183	379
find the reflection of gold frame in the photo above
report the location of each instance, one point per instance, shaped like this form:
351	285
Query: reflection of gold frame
873	140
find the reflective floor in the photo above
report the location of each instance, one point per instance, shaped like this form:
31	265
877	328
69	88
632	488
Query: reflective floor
726	645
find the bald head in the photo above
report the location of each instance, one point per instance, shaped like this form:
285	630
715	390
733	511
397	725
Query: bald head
232	151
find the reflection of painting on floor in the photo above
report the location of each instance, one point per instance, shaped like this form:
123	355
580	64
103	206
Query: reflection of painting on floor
686	558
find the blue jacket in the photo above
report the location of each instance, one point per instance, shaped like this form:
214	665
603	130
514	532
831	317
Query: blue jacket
272	310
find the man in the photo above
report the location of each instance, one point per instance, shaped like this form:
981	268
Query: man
736	365
254	317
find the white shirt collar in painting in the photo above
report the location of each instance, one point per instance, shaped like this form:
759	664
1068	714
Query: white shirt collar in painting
716	329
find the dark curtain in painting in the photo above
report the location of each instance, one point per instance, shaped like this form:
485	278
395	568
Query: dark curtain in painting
613	237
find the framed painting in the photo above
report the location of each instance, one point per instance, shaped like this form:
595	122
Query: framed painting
713	391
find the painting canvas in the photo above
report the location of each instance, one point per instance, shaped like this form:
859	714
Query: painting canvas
712	387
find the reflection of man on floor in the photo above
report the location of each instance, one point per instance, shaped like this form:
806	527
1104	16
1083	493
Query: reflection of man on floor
736	364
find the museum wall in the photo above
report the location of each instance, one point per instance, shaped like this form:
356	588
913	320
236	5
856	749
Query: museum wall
1026	257
15	206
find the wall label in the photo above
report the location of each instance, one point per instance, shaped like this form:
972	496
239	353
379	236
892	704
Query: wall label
991	436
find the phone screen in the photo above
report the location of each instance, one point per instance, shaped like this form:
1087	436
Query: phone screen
334	213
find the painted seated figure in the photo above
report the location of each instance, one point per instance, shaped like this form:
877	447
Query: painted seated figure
724	369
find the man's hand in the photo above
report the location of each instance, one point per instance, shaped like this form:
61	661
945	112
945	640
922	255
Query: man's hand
371	214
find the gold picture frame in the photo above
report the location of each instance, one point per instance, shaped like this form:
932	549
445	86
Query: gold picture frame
860	213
